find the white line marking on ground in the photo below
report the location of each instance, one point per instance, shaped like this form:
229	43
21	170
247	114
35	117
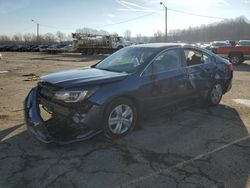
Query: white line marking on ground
242	101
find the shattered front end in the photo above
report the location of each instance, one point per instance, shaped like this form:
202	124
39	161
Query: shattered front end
51	120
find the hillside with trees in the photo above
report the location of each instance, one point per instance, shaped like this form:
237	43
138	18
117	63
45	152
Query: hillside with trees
235	29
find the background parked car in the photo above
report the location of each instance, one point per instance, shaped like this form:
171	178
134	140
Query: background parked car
236	54
244	43
216	44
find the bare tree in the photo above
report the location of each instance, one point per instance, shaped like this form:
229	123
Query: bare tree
87	30
138	38
49	38
145	39
233	29
60	36
127	34
103	32
4	39
158	37
17	38
27	37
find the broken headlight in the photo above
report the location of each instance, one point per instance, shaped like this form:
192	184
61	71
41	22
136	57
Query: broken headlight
72	96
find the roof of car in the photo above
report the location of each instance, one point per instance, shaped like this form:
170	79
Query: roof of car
158	45
169	45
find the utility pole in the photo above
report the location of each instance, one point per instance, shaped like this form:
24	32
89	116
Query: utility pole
166	21
37	31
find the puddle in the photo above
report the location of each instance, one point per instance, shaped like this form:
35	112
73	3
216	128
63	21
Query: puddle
3	71
243	101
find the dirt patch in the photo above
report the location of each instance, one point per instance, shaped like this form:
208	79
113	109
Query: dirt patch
30	74
31	77
3	116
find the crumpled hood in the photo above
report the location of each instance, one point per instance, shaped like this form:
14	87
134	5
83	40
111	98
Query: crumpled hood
82	77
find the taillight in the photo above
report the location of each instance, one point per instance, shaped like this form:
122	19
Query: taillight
230	66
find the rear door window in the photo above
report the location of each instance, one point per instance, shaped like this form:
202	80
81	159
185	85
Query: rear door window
193	57
206	58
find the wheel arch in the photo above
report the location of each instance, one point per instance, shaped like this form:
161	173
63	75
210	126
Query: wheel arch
120	47
235	53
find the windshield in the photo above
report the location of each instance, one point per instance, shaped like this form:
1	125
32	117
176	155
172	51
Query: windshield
120	39
219	44
244	43
126	60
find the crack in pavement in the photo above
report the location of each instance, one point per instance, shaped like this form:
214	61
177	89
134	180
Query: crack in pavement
62	158
57	177
28	160
182	164
108	172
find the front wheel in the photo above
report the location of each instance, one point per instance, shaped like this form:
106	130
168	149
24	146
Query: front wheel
215	95
120	118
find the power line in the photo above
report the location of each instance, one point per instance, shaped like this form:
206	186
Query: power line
53	27
129	20
101	26
28	28
139	17
174	10
197	15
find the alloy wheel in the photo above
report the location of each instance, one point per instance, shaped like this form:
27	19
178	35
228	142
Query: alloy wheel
120	119
216	94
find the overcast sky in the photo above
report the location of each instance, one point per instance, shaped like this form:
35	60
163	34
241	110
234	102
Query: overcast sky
68	15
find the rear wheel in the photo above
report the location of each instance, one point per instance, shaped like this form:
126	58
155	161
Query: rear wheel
236	59
120	118
215	95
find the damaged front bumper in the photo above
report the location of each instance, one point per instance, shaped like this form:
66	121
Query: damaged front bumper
61	129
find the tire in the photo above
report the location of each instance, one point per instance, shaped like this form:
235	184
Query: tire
120	47
96	51
236	59
214	95
83	51
120	118
90	51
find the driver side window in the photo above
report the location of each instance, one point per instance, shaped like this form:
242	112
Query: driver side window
166	61
169	60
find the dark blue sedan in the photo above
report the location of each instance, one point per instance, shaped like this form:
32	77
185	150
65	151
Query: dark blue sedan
109	97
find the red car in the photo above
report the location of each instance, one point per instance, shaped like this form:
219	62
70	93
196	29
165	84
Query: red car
235	54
